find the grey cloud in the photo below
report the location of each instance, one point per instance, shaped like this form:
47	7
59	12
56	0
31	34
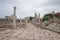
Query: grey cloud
28	7
52	3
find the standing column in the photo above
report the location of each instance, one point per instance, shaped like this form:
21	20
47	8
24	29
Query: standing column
40	21
26	20
53	14
39	18
35	16
14	18
20	22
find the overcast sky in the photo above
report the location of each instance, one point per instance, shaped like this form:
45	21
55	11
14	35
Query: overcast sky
28	7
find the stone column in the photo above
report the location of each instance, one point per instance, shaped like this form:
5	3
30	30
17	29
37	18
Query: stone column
14	18
40	21
39	18
35	16
20	22
26	20
53	14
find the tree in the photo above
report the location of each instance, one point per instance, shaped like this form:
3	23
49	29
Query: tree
57	15
47	17
31	18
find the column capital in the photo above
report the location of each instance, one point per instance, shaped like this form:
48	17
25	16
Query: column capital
14	7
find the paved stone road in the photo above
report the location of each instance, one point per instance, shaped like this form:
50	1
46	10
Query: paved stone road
29	33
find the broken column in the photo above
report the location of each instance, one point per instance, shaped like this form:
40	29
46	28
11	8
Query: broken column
14	18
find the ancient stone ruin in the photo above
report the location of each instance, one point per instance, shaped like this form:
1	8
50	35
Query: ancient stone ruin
12	28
